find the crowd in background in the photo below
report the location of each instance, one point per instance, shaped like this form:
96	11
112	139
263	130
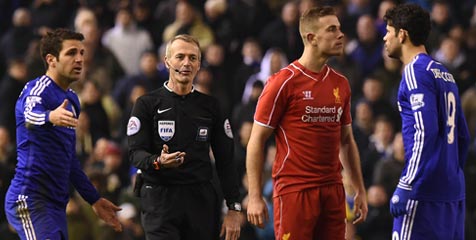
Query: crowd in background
243	43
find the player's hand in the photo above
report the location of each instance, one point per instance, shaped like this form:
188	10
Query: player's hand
62	117
360	208
106	211
398	203
232	225
257	211
171	160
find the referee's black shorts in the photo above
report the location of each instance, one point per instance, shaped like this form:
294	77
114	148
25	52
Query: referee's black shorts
180	212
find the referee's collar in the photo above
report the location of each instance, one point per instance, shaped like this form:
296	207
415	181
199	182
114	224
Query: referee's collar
171	90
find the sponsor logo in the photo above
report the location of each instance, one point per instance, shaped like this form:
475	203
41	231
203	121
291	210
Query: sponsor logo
133	126
166	129
162	111
416	100
322	114
307	95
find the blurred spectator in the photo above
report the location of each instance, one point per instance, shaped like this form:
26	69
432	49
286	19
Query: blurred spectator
10	87
84	140
136	91
380	147
50	14
127	41
90	97
130	220
142	10
373	92
451	55
80	224
84	16
366	49
378	225
284	33
245	112
148	77
221	23
249	16
164	14
388	170
14	43
99	62
305	5
347	67
214	61
363	125
189	21
442	21
390	74
382	9
274	60
250	64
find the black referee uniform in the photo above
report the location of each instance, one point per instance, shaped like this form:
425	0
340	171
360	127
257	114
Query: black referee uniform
181	203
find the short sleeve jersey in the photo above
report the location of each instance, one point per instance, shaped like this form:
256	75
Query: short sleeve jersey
307	110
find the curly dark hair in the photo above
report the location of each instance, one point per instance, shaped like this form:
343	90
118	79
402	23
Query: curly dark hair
52	42
412	18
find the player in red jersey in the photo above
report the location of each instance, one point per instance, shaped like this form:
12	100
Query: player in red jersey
307	106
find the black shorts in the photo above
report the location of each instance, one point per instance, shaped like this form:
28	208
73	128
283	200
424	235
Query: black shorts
180	212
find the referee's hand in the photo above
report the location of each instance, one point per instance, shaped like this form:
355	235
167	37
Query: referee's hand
171	160
232	225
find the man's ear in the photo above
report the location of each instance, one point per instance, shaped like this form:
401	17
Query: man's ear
311	38
402	35
51	60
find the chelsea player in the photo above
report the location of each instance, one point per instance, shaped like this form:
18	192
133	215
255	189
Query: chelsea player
46	115
429	201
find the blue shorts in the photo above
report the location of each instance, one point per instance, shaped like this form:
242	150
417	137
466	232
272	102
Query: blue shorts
430	220
35	218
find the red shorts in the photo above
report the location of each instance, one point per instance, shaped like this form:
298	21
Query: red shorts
316	213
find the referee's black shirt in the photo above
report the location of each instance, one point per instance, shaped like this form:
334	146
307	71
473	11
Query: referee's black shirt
191	124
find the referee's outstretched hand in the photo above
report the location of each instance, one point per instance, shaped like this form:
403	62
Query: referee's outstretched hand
171	160
106	211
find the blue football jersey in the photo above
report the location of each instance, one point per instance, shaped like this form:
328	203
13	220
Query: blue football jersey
47	161
434	130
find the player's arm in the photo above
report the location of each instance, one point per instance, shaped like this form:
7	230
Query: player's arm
421	93
257	210
419	90
351	161
37	113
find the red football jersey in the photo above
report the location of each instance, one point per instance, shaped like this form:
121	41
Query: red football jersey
307	110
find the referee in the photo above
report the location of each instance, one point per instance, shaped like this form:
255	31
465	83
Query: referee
170	133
